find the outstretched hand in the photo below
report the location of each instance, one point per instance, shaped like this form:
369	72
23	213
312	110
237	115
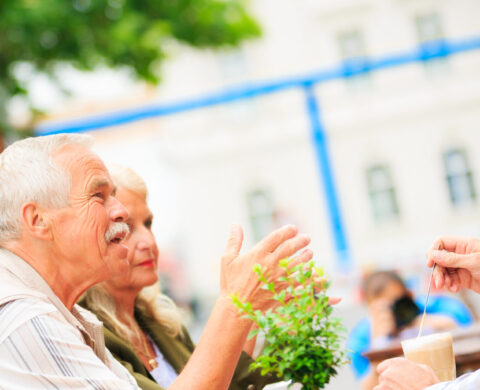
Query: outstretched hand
237	276
458	263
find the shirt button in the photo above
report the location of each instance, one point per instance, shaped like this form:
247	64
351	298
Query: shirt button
251	387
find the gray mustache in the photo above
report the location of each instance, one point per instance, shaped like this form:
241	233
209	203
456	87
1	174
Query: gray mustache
116	228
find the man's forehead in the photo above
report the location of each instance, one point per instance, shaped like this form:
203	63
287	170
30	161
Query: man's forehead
73	156
83	164
70	149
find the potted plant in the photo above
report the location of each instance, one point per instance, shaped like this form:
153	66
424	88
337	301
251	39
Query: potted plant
302	338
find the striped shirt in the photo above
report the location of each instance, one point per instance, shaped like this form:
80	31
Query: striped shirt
470	381
43	345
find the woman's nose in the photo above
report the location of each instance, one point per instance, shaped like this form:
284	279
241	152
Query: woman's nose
147	241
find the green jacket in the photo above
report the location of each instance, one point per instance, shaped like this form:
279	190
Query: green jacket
176	351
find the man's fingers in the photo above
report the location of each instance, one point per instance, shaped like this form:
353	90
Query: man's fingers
449	259
460	245
303	257
387	363
276	238
437	245
465	278
455	286
448	280
430	261
438	276
234	243
292	246
450	244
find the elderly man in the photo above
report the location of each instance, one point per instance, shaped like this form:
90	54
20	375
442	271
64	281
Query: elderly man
458	266
60	233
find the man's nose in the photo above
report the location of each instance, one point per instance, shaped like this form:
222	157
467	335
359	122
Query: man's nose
118	212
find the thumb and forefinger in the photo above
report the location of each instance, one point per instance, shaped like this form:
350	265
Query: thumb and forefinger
448	259
446	252
234	243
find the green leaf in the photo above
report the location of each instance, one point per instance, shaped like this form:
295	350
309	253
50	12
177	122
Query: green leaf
303	339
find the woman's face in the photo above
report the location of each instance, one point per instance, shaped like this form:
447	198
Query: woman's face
142	248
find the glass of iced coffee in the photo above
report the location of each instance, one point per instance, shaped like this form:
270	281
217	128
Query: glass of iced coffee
434	350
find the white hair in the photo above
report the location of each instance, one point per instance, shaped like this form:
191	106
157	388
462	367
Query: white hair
28	174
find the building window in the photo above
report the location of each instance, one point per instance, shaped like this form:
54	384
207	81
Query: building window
382	193
352	44
233	66
429	27
459	177
261	212
233	70
353	54
430	35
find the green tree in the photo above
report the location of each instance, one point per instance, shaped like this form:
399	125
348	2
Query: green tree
114	33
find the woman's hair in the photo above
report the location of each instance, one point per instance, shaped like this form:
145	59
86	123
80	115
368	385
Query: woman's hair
150	299
129	179
375	283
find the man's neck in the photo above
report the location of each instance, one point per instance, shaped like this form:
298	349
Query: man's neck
67	290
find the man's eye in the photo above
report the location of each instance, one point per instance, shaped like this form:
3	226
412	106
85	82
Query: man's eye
99	195
148	224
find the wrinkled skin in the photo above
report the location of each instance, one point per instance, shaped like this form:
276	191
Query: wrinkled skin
78	230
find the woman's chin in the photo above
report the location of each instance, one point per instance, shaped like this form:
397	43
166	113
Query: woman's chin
146	280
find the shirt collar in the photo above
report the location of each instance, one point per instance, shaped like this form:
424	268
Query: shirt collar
28	282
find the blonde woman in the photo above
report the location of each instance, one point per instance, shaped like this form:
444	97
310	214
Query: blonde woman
142	327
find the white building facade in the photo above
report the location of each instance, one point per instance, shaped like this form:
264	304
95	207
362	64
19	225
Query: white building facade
404	142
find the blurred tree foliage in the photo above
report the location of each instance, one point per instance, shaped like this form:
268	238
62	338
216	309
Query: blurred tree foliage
114	33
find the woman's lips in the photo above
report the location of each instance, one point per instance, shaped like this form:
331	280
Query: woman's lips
147	263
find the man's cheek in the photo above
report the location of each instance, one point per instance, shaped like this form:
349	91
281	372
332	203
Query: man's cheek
97	225
95	214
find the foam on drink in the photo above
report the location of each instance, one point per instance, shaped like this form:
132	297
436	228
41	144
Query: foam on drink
434	350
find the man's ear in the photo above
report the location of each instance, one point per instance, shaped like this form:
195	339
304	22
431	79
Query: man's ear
36	220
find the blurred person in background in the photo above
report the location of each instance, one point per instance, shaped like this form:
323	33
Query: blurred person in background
458	266
393	313
143	327
61	230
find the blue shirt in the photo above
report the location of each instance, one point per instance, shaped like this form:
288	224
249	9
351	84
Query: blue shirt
359	339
